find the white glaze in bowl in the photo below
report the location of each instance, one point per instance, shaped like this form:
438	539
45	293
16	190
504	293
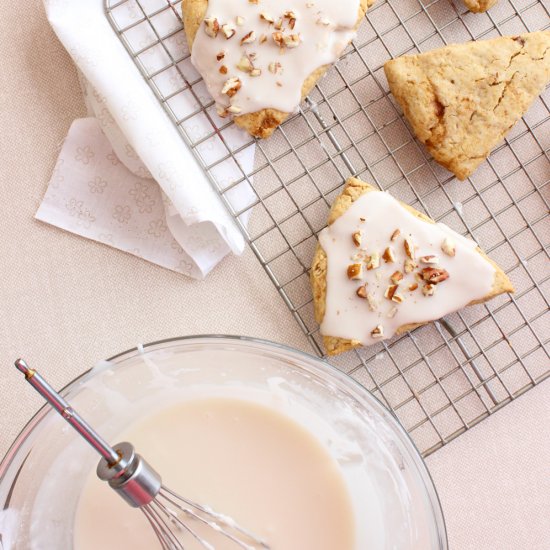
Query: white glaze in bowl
394	501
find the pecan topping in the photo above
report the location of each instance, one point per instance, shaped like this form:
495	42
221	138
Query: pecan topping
428	289
211	27
291	16
374	261
409	248
248	38
396	277
228	30
362	291
371	300
395	235
448	246
397	298
389	255
356	237
390	291
231	86
431	259
268	18
245	64
434	275
409	266
355	271
392	312
292	40
275	67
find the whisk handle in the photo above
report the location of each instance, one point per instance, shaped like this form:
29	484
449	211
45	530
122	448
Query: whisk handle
68	413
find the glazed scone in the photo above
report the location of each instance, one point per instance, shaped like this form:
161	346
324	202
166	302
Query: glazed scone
461	100
382	268
267	46
479	6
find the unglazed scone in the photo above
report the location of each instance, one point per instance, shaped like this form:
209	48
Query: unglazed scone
382	268
479	6
461	100
277	52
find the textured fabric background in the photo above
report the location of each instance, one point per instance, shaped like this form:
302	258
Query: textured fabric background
66	302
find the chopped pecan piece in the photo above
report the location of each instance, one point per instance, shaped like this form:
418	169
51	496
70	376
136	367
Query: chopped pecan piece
389	255
396	277
355	271
211	27
448	246
435	275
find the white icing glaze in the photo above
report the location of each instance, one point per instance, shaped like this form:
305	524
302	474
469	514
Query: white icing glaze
325	27
348	316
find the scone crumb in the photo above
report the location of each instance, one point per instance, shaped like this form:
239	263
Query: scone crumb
377	332
413	287
392	312
357	237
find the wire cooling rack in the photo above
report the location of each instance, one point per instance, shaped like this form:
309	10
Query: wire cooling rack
445	377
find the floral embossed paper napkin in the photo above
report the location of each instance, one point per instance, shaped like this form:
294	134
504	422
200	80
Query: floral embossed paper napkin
124	176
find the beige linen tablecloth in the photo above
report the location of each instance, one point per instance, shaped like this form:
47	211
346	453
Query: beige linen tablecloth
66	303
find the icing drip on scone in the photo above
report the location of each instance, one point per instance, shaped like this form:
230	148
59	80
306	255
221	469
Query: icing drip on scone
387	268
256	54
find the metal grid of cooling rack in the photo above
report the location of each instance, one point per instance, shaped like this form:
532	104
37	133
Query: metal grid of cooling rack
445	377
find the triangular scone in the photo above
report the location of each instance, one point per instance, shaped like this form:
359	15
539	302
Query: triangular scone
479	6
263	122
461	100
382	268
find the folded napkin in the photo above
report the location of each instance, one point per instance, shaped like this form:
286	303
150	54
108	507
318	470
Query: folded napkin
124	176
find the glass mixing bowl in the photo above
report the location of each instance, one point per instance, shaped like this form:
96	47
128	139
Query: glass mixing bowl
42	475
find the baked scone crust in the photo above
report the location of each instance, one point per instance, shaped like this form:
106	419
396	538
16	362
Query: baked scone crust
479	6
461	100
262	123
352	191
